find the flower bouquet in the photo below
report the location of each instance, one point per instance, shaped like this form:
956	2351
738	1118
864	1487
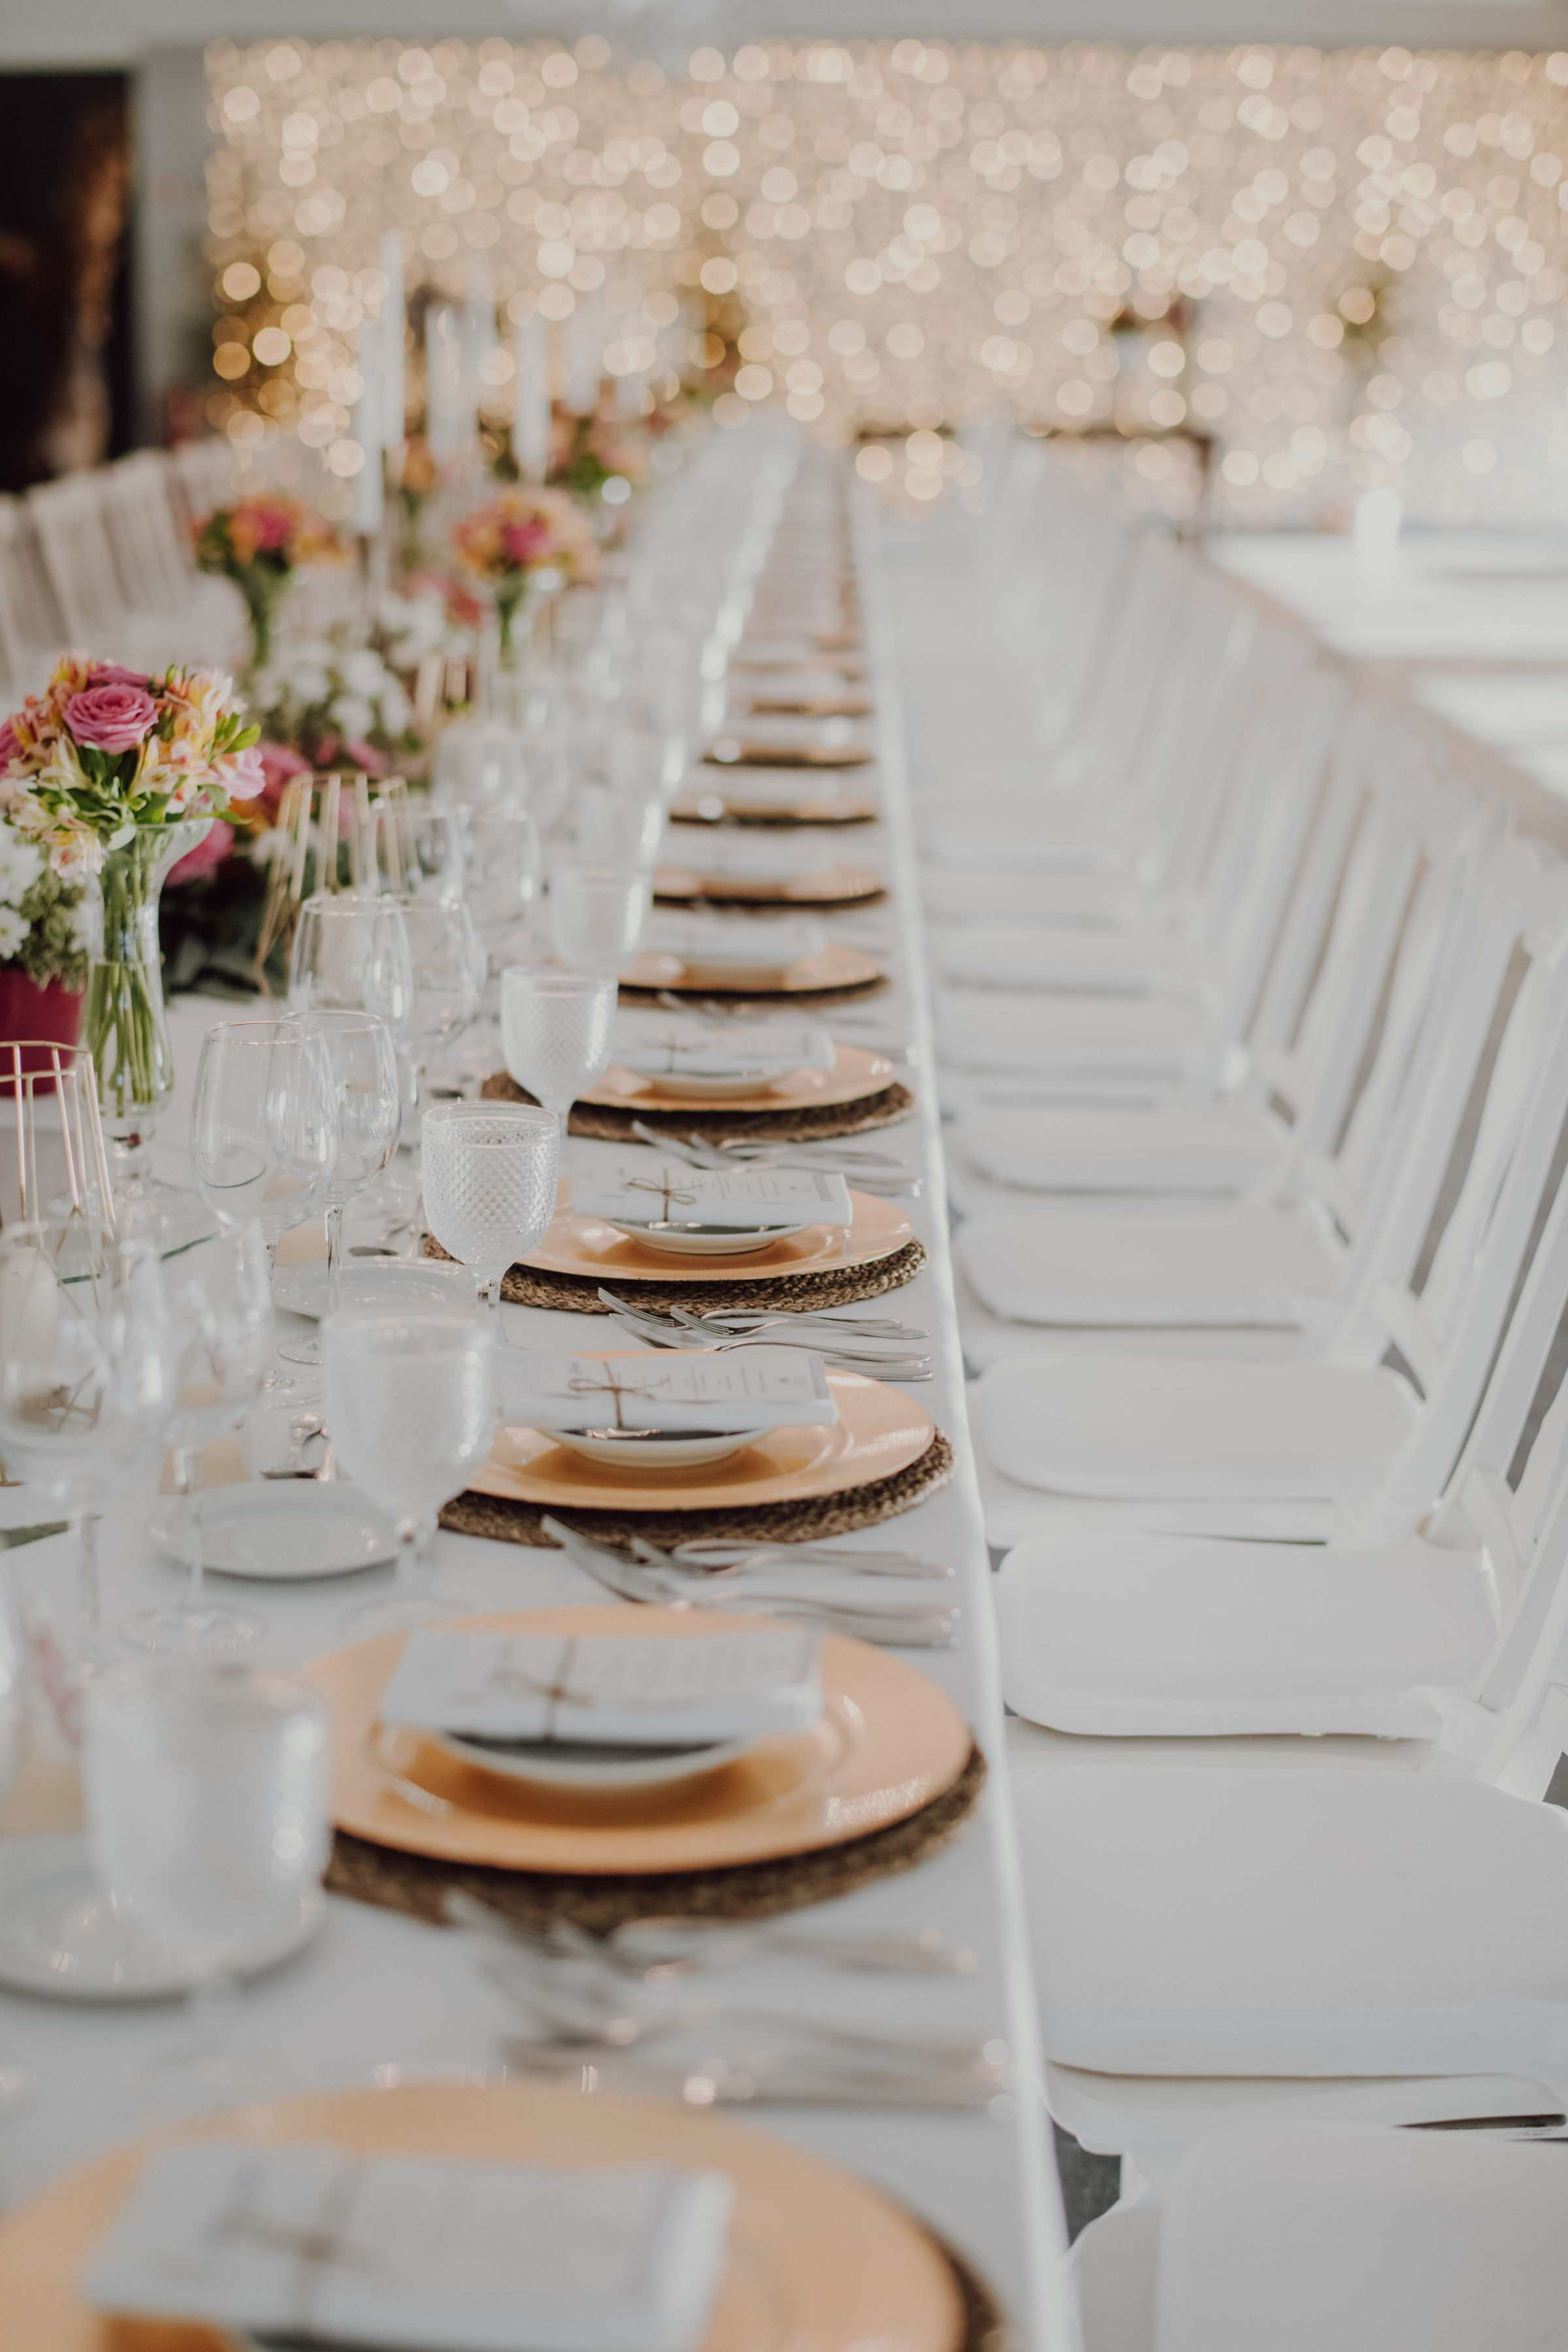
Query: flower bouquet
115	776
520	540
42	945
259	544
336	707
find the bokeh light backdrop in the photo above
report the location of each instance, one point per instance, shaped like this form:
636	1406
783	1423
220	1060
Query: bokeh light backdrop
1319	271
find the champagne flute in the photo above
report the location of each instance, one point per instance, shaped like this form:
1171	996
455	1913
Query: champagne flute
264	1126
556	1028
370	1114
598	914
411	1401
220	1307
491	1176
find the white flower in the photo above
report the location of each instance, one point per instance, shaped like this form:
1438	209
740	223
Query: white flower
12	931
21	863
353	715
394	710
83	925
362	672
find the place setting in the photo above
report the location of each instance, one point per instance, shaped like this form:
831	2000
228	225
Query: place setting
728	956
769	792
725	871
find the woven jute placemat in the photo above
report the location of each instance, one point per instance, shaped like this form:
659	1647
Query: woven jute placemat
805	1125
767	1000
814	1519
418	1883
790	1294
750	902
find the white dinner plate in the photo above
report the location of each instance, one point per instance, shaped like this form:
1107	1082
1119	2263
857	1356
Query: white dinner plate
392	1285
653	1449
704	1240
279	1531
62	1936
586	1765
712	1087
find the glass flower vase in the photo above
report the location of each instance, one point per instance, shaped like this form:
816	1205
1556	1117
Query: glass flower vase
124	1024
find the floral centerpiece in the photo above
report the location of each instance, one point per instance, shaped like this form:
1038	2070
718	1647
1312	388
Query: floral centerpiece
336	708
43	944
114	775
519	540
591	453
259	544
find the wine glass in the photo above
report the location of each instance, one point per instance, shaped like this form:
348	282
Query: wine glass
420	851
370	1114
411	1403
491	1176
351	954
206	1795
597	914
618	829
87	1392
481	764
503	871
220	1306
18	2084
556	1028
449	971
264	1126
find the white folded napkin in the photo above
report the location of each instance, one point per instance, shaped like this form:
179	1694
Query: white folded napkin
729	857
430	2253
609	1690
738	940
699	1394
659	1045
644	1190
755	787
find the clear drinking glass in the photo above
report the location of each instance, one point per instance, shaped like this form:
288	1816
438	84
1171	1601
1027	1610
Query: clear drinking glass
264	1126
220	1307
419	850
555	1029
482	763
491	1174
351	955
411	1405
598	914
449	971
370	1114
503	873
87	1392
206	1795
618	829
18	2084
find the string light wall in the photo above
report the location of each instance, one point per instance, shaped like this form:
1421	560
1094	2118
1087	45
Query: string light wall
1301	273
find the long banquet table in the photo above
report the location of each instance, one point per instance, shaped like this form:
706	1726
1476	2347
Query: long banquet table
380	1998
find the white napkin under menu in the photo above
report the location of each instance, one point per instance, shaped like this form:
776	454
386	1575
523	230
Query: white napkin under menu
609	1689
699	1394
437	2253
720	856
666	1191
741	940
671	1045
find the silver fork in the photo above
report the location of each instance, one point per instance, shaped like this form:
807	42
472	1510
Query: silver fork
669	1951
739	1326
869	1364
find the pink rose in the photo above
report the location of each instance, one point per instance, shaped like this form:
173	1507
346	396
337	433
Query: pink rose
246	772
114	673
10	748
207	855
270	527
365	757
111	718
521	542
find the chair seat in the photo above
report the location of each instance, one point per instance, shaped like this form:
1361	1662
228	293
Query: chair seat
1344	2235
1237	1265
1098	899
1152	1636
1199	1148
1066	961
1162	1039
1135	1427
1205	1921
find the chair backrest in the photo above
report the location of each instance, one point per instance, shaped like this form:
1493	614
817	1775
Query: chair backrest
32	630
69	518
1099	742
140	518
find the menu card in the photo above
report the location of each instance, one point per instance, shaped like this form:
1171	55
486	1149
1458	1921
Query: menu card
666	1045
608	1689
644	1190
698	1393
770	788
419	2252
735	940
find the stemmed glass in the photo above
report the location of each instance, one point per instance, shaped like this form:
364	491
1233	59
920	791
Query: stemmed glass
369	1113
18	2084
598	914
448	968
555	1028
351	954
220	1307
411	1401
491	1176
87	1393
420	852
264	1126
618	829
206	1790
503	873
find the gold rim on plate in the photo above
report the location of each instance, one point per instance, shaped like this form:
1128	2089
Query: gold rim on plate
709	803
890	1741
592	1246
856	1073
835	966
835	884
817	2256
878	1433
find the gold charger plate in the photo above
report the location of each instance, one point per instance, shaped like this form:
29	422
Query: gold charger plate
736	751
809	706
588	1245
890	1741
878	1433
855	1075
706	804
818	2258
835	966
835	884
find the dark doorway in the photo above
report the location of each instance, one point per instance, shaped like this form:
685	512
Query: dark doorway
65	388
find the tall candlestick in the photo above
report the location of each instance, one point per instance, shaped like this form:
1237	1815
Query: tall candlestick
443	369
531	416
369	431
584	356
479	335
392	329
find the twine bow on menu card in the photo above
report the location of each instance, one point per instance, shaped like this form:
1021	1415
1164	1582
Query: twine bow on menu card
673	1191
699	1394
580	1384
312	2249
